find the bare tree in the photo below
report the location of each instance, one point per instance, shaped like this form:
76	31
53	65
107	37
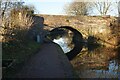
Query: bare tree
78	8
7	5
5	8
15	18
119	8
104	7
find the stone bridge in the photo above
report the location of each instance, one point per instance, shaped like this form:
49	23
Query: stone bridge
97	26
82	27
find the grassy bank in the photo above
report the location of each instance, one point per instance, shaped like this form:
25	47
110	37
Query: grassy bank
19	53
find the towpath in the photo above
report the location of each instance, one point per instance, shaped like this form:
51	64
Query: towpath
49	62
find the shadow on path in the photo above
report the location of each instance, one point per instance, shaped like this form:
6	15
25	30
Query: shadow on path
50	62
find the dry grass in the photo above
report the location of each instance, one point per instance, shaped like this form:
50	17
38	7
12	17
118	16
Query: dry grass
96	58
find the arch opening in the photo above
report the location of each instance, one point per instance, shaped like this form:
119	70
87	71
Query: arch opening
74	37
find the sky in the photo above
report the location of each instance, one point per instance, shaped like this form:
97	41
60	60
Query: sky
48	7
55	7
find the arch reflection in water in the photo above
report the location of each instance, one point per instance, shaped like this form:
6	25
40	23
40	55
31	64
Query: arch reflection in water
63	44
77	39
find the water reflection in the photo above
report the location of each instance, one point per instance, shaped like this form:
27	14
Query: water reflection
100	63
111	72
95	62
63	44
69	35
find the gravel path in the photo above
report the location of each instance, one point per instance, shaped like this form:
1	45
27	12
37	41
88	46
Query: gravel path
49	62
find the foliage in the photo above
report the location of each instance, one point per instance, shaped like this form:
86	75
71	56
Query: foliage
16	24
16	29
6	7
21	17
19	23
18	52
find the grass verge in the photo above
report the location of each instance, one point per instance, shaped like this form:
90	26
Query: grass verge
20	54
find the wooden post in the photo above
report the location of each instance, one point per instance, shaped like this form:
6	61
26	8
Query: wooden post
38	38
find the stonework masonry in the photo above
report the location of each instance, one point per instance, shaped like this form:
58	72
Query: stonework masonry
88	25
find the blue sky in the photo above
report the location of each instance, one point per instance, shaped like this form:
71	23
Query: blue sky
48	7
55	7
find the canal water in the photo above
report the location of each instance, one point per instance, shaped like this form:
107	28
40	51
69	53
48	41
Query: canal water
63	44
98	63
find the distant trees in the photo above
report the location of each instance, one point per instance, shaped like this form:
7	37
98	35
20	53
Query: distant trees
103	7
119	8
85	8
78	8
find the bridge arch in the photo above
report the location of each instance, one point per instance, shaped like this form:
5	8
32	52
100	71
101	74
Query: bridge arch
77	40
